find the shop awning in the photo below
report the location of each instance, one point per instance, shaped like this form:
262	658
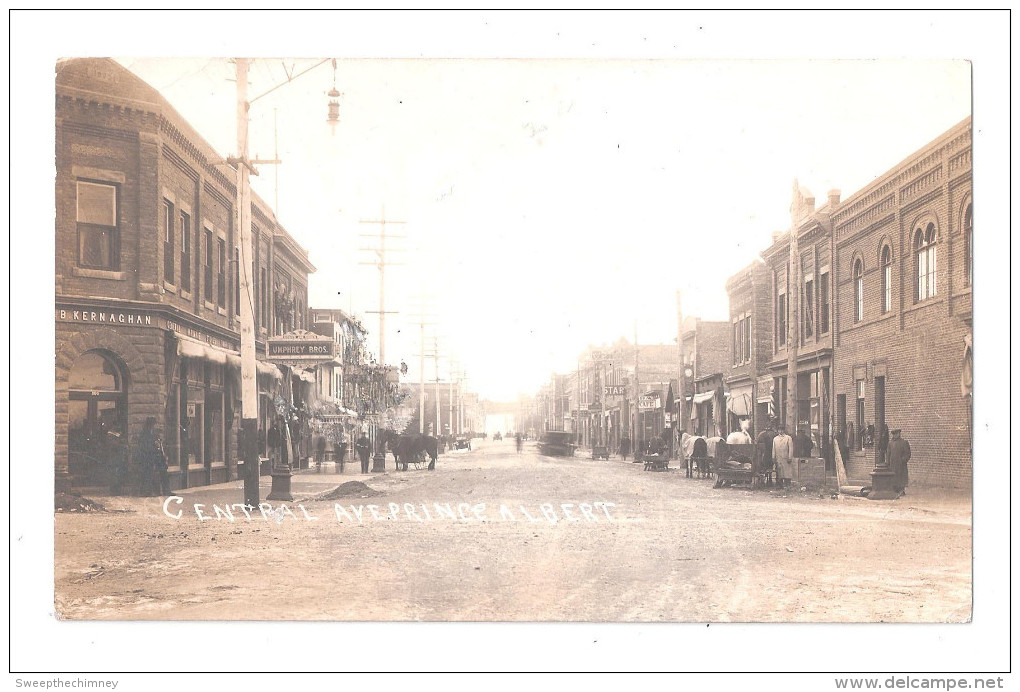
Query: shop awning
264	368
193	348
305	374
739	401
703	397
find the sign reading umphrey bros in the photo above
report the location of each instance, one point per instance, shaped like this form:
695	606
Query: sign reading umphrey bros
301	347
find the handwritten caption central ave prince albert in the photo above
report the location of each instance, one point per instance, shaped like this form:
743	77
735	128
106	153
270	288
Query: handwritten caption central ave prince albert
591	512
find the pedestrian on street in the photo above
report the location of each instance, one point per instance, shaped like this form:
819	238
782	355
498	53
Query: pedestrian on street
116	454
899	455
363	446
320	450
625	447
152	461
782	456
339	452
765	438
520	443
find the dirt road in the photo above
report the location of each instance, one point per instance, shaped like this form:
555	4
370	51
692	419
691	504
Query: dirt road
495	536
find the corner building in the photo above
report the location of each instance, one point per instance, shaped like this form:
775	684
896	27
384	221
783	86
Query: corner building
147	296
904	316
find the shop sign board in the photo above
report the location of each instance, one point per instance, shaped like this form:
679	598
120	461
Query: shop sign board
648	402
300	348
614	390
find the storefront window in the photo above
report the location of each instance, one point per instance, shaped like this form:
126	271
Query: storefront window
97	416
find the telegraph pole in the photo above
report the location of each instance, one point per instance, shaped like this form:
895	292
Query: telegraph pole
681	396
381	263
637	394
793	324
249	391
453	430
421	364
435	351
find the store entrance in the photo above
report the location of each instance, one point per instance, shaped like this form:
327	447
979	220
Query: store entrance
97	420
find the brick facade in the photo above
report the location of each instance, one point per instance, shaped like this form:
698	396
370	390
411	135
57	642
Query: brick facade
916	346
877	332
162	315
750	300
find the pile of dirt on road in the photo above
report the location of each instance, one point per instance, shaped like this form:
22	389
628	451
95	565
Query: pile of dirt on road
348	489
73	502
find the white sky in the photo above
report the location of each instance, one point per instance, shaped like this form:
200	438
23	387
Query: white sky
551	203
621	214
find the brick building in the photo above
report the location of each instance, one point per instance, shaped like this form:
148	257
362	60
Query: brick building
147	297
813	322
884	327
706	358
903	318
749	392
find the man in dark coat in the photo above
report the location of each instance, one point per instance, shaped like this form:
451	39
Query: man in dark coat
152	461
625	447
117	458
764	442
363	446
899	455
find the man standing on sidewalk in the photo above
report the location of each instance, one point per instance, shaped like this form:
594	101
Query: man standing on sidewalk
782	456
363	446
899	455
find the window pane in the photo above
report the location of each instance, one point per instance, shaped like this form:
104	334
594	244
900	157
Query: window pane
96	246
93	372
97	204
931	270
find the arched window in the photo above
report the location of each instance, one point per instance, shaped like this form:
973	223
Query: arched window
924	254
96	413
886	279
968	245
858	291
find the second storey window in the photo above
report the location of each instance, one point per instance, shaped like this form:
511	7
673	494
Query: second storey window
809	308
185	251
823	303
98	233
924	254
207	278
169	230
747	338
858	291
221	273
886	279
781	320
237	281
968	246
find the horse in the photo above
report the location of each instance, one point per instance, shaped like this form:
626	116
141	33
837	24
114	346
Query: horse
410	448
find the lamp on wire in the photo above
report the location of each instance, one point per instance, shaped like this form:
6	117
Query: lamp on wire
334	104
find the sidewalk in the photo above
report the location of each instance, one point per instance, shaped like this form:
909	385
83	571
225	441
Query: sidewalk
304	484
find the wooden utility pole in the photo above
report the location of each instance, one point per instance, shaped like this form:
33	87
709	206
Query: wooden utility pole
453	430
637	395
381	263
421	364
681	397
435	351
793	324
249	390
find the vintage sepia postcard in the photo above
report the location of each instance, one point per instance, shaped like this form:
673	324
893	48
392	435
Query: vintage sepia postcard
634	339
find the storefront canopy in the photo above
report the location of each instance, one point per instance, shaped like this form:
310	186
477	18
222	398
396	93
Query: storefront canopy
739	401
703	397
305	374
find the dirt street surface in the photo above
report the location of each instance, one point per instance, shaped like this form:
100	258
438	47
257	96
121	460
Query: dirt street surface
626	545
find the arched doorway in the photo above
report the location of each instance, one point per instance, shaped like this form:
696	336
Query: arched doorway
97	418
